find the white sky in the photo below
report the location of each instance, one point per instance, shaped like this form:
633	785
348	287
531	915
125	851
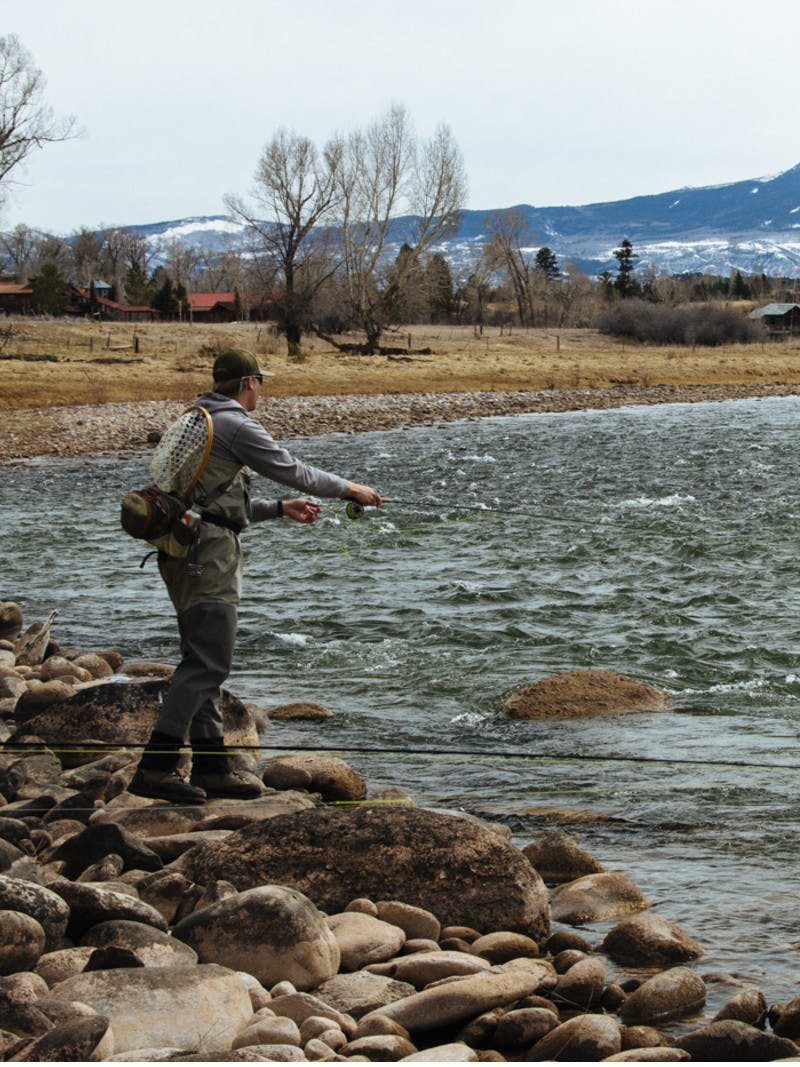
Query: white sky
551	101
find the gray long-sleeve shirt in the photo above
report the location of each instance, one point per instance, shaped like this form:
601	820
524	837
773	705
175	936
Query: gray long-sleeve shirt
239	439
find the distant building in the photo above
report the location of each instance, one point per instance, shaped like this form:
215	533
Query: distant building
211	307
782	320
15	299
112	310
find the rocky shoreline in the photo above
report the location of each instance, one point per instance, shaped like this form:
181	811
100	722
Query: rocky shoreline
320	922
73	431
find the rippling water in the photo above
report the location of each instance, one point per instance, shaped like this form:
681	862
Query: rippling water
660	542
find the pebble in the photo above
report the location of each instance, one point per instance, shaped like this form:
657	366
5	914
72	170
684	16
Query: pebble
83	429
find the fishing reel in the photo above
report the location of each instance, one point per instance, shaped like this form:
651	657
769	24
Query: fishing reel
354	510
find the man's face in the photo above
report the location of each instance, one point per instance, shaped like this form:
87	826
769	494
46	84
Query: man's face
251	392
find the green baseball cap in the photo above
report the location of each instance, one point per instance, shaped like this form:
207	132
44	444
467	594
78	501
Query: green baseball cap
235	363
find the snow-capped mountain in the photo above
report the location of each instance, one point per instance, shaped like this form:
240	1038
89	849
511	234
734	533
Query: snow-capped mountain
750	226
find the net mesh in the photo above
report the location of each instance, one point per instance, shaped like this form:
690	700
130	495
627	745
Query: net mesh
181	454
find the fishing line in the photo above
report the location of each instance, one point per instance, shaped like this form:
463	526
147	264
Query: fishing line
356	511
102	747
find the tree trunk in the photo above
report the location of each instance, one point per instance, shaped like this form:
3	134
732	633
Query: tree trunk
293	337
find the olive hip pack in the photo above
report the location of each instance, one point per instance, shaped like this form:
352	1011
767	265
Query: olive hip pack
161	513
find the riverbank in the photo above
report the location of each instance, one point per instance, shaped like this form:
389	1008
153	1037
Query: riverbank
102	427
136	930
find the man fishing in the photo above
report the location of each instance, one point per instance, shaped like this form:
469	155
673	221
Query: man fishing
205	585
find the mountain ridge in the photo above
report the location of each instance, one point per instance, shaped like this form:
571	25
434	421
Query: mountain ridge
752	225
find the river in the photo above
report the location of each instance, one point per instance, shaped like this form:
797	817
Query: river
656	541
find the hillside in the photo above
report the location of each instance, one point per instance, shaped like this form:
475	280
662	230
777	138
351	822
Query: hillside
751	226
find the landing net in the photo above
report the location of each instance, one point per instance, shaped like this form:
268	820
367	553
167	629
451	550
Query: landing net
182	453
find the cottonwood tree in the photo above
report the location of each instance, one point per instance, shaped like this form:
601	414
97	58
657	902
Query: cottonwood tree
26	120
19	250
510	234
385	172
295	189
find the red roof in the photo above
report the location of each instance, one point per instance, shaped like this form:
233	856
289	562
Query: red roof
207	301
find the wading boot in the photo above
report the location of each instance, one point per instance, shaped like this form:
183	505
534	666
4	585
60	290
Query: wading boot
212	772
158	776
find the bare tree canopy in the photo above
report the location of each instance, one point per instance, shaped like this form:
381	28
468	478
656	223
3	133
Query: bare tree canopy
294	189
386	172
26	120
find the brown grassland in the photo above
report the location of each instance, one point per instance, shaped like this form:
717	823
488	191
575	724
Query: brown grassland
79	362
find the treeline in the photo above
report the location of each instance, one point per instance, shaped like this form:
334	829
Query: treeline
329	272
321	228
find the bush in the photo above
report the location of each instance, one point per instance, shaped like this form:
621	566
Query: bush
703	324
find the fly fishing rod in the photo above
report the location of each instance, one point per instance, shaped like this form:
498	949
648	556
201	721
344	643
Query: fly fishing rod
355	511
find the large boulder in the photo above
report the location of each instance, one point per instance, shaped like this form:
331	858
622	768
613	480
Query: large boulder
580	693
121	713
271	932
465	872
198	1007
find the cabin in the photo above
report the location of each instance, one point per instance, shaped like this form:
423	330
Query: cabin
211	307
781	320
111	310
15	299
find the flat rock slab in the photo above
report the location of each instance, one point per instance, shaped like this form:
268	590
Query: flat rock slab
202	1007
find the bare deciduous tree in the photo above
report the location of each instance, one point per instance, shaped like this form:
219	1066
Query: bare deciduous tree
510	233
26	120
294	189
385	173
18	251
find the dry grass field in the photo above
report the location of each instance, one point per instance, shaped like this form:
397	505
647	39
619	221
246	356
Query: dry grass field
63	362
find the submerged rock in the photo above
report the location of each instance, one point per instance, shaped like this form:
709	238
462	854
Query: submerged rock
581	693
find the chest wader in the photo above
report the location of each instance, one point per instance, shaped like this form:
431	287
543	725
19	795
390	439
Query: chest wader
204	589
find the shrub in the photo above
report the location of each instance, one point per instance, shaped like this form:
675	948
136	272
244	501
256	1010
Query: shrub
702	324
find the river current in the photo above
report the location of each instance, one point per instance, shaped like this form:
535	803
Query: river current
660	542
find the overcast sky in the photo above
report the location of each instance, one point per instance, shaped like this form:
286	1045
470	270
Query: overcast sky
551	101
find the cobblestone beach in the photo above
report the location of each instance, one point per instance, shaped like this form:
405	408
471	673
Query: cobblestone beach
84	429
